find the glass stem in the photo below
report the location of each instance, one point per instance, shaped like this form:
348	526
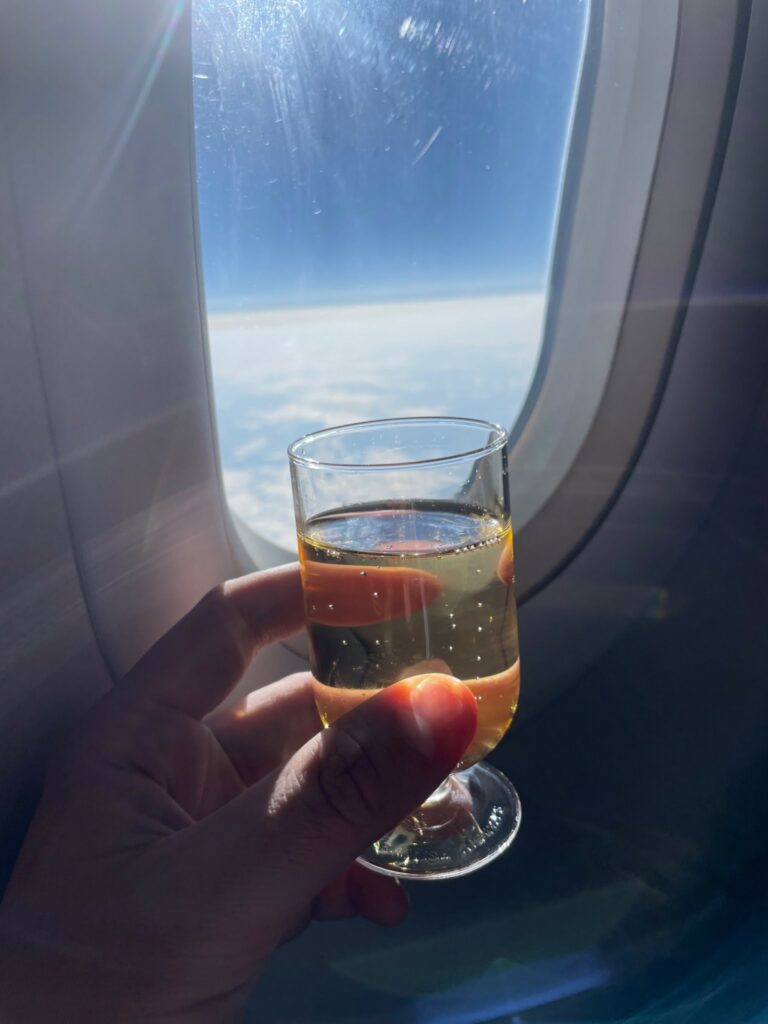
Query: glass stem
440	794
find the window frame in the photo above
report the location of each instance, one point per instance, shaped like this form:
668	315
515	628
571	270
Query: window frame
574	490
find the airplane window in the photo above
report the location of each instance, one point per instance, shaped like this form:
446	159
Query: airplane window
378	187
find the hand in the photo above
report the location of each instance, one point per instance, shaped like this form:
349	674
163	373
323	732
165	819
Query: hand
170	855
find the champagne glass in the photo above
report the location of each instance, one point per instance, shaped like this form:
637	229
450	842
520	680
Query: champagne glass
405	545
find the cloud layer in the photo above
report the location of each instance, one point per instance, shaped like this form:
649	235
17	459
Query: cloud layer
281	374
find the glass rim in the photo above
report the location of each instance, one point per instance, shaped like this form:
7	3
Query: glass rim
498	441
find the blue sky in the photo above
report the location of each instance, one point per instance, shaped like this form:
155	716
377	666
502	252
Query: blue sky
364	150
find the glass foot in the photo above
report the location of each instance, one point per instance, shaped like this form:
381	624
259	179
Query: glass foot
466	823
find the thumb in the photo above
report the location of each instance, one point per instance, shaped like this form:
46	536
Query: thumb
375	764
297	829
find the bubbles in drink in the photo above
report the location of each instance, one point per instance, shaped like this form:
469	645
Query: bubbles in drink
406	620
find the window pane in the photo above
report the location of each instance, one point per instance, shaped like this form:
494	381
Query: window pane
378	184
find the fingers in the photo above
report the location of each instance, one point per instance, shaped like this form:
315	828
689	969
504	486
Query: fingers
196	664
268	726
359	891
286	838
351	595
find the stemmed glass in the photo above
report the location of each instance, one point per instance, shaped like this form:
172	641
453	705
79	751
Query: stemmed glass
405	545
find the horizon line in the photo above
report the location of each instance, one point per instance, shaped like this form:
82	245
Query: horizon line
319	309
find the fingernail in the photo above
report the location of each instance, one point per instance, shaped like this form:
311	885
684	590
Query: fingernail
434	703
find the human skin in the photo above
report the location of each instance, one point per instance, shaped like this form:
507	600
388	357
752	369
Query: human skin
176	846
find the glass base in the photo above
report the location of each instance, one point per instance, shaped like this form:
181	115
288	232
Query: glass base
472	818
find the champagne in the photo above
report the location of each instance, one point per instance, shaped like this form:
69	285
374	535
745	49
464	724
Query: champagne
397	591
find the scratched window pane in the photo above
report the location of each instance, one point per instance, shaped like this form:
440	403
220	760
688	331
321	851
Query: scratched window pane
378	187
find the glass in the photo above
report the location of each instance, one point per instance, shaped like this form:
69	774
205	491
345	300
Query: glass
406	552
378	187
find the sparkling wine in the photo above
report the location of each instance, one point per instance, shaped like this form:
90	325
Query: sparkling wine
398	591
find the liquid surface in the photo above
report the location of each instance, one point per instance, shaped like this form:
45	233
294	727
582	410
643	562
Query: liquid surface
397	592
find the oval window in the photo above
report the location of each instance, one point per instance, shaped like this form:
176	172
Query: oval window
378	189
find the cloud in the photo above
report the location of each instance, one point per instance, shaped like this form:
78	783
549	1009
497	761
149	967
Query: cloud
282	373
262	498
251	447
328	414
